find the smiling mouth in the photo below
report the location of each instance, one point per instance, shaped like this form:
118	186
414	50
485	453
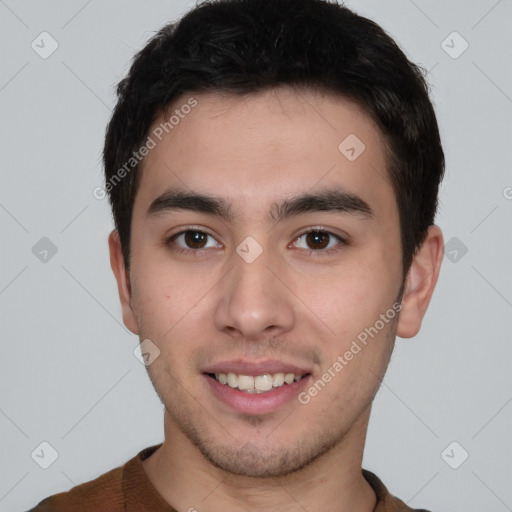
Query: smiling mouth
256	383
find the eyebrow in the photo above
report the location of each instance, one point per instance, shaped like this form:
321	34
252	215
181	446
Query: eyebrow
326	200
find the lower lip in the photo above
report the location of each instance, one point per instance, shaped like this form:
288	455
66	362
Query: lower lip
256	403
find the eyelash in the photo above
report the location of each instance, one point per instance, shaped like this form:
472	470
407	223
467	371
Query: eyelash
312	252
321	252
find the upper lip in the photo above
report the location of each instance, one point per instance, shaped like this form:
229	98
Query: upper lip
244	367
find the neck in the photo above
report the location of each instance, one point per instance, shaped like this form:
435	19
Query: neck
331	483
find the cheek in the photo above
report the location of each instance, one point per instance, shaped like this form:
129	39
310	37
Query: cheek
352	305
346	300
172	309
161	299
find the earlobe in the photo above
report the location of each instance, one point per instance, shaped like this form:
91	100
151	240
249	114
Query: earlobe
123	281
420	283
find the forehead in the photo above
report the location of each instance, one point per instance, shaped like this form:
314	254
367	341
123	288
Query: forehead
257	148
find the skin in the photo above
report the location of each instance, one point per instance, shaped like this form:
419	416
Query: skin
293	303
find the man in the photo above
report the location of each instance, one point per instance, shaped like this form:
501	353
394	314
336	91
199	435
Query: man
273	168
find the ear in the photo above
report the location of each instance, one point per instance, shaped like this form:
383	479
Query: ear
123	281
420	283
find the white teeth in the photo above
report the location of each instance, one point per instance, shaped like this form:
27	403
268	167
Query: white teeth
258	383
245	382
289	378
263	382
278	380
232	380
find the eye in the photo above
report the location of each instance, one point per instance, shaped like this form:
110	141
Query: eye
319	240
192	240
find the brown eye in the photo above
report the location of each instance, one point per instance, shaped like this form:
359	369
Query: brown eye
320	241
317	239
195	239
192	240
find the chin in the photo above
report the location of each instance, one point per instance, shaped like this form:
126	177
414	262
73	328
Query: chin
265	461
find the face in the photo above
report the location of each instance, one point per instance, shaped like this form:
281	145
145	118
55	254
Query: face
260	247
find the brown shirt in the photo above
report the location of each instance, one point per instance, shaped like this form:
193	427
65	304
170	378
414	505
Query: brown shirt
128	489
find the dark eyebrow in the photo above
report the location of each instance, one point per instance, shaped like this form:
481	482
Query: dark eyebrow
330	199
174	199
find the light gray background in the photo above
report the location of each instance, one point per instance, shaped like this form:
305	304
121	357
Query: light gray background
68	373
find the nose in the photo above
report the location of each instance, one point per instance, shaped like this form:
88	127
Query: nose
253	302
